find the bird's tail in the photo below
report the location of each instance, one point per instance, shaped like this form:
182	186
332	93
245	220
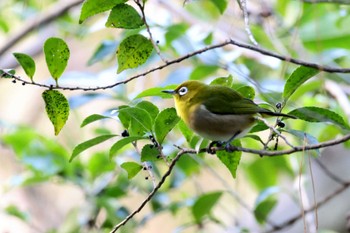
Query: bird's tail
271	113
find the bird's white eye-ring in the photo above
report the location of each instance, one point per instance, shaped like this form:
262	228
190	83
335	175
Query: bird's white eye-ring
183	91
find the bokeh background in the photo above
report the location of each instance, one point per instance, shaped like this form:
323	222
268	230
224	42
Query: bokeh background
40	191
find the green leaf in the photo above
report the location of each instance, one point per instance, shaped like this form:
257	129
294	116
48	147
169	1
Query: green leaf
106	48
92	118
259	126
124	16
305	138
89	143
133	51
157	91
27	64
247	92
93	7
14	211
174	32
98	164
123	142
149	153
203	71
224	81
231	159
149	107
296	79
164	123
56	55
131	168
268	168
220	5
316	114
265	202
140	115
57	108
186	131
204	205
189	165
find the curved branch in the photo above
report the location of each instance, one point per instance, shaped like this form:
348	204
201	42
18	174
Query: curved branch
154	191
281	152
259	152
49	15
189	55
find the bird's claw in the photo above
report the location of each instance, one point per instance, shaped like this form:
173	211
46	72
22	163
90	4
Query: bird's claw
210	148
229	148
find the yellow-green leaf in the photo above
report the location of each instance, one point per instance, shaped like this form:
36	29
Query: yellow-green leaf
133	51
131	168
124	16
93	7
56	55
231	160
57	108
27	63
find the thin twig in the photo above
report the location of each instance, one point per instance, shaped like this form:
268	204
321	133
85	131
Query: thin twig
154	191
180	59
280	152
246	22
155	44
259	152
275	131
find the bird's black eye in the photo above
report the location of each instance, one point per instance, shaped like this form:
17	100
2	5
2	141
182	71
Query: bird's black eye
182	90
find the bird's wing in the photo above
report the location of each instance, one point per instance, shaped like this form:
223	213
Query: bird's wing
230	104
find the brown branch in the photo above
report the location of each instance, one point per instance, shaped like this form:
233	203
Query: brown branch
47	17
259	152
280	152
197	52
154	191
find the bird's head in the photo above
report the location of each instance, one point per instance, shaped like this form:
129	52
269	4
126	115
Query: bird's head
186	91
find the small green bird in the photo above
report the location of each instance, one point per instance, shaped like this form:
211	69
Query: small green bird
216	112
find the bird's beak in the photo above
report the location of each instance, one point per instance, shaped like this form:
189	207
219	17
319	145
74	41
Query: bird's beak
172	92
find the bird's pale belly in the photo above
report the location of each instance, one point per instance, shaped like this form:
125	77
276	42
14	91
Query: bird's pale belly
218	127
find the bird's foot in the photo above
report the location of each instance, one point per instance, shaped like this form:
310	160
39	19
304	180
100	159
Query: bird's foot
229	148
210	149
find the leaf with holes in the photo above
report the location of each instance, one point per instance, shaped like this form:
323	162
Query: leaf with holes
57	108
27	63
56	55
133	51
124	16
